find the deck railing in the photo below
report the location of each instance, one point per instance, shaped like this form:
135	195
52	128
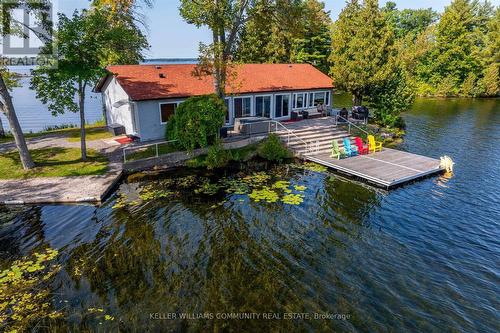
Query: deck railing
350	124
272	127
144	151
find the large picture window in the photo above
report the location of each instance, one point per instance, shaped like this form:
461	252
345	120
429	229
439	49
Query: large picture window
263	106
242	107
282	105
167	110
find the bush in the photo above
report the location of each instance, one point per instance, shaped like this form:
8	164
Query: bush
197	121
272	149
217	157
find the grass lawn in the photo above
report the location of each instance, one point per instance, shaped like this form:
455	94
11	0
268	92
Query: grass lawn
53	162
73	134
92	133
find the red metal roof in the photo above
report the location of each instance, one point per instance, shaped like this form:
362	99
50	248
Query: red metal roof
143	82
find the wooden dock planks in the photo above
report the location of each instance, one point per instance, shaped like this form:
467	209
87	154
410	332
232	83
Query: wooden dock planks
387	168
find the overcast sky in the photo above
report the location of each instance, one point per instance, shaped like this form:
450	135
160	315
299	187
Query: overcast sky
171	37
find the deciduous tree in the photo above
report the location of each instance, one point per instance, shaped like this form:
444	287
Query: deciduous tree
12	27
86	44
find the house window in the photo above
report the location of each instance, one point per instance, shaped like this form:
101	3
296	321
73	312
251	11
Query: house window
242	107
327	102
319	98
311	100
167	110
282	105
263	106
299	100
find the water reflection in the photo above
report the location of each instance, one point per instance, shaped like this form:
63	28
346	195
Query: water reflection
423	257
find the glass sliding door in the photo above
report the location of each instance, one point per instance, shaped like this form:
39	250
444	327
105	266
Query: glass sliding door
281	106
263	106
242	107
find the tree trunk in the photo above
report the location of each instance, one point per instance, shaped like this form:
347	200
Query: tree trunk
357	99
2	131
83	142
15	128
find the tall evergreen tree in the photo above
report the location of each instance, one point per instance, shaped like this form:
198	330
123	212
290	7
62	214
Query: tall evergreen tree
363	51
314	46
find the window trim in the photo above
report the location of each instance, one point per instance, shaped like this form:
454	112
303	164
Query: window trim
163	103
304	100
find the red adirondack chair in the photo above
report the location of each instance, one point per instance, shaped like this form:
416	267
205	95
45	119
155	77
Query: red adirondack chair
362	148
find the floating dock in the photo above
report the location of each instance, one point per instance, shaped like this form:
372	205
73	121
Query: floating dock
388	168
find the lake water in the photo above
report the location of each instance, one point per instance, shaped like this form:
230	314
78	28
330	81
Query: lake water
422	258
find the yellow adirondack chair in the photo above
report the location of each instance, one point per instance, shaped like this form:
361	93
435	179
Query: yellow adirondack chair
374	145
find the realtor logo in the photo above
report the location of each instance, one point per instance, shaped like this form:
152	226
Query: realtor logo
24	35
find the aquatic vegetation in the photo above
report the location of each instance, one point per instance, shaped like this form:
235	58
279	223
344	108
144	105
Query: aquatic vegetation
311	166
300	188
235	186
293	199
24	293
151	193
208	188
264	194
281	184
257	178
186	182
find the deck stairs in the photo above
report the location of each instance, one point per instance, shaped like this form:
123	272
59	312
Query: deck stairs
312	140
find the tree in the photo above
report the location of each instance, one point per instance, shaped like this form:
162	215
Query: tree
314	46
2	131
12	27
286	31
409	22
86	43
224	18
197	121
363	51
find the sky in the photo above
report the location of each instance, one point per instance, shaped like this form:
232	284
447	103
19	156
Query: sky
171	37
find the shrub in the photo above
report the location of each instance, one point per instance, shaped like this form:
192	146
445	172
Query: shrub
272	149
217	157
197	121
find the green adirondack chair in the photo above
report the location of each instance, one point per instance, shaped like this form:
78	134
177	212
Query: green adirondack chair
336	153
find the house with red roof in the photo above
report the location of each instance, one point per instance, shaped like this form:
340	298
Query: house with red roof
142	98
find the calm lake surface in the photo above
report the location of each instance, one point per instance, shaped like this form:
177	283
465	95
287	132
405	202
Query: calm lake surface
422	258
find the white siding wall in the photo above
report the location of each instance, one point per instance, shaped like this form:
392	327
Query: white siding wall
122	113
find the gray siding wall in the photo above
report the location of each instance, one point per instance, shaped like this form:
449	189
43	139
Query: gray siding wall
148	114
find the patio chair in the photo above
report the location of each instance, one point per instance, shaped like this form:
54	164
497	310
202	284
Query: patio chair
350	150
374	145
362	148
336	153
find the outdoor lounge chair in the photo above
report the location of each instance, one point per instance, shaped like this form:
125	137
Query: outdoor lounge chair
349	150
336	153
374	145
362	148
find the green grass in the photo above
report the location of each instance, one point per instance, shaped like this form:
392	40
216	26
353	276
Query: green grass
94	132
150	151
53	162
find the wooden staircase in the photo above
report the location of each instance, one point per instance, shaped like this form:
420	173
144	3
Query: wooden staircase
312	140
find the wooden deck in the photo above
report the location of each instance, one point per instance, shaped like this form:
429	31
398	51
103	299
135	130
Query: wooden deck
387	168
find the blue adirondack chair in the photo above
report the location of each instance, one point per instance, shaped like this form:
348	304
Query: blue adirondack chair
350	150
